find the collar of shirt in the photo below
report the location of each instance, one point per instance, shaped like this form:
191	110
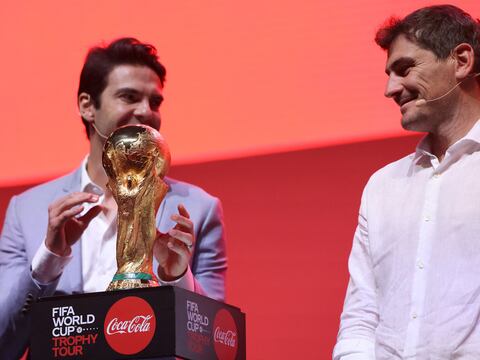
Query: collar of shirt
466	145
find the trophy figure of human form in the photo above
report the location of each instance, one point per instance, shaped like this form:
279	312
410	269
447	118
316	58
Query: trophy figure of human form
136	159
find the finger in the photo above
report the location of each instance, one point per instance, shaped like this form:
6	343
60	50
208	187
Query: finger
162	238
93	212
183	223
183	211
73	199
70	201
66	215
179	248
184	237
159	244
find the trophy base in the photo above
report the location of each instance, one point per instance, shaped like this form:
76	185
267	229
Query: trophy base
132	281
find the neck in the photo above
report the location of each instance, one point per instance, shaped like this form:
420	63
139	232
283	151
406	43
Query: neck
458	124
94	164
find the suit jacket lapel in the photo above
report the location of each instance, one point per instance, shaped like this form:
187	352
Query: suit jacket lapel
73	276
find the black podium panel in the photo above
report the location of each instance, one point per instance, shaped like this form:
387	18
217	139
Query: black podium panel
151	323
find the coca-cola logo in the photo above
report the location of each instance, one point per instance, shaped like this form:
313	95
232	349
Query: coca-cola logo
129	325
227	338
225	335
137	324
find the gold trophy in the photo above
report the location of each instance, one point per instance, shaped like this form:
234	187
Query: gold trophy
136	158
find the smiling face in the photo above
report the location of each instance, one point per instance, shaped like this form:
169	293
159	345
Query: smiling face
413	74
133	95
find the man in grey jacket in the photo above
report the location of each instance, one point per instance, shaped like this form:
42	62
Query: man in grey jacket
59	237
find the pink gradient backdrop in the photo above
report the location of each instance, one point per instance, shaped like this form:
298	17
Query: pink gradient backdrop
244	77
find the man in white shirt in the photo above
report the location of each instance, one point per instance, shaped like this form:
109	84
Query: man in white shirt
414	289
59	237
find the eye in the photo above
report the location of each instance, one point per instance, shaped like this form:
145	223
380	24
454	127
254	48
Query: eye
403	71
129	97
155	102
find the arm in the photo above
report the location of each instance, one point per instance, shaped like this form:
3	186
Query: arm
19	287
19	290
209	264
359	319
199	242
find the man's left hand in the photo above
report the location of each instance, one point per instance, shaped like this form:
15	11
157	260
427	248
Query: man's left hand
174	249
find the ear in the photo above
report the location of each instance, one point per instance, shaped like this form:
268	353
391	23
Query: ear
464	57
86	107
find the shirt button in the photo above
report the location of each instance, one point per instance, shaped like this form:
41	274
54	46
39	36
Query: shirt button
426	218
414	315
436	176
420	264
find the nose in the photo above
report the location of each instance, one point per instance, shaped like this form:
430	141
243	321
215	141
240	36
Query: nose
143	109
146	115
394	85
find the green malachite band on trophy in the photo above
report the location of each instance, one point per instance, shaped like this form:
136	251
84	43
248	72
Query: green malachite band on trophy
132	276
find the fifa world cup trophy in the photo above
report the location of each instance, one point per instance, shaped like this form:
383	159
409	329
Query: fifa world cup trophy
136	158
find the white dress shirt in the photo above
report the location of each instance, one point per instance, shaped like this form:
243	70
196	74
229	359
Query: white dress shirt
98	241
98	244
414	289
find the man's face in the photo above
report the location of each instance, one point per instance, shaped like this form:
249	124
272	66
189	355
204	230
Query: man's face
413	74
133	95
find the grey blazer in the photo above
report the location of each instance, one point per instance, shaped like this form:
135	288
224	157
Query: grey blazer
25	228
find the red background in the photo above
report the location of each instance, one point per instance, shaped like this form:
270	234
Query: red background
275	107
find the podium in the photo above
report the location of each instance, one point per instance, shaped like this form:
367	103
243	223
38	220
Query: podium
152	323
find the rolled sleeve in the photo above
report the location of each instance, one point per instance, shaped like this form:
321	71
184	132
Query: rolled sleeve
48	266
185	282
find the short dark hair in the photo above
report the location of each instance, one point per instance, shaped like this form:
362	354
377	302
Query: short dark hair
101	60
438	28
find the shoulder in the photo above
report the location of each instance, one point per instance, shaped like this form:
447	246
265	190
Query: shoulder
201	206
394	170
181	189
47	192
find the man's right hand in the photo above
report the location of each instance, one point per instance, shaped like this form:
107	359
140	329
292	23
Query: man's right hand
64	228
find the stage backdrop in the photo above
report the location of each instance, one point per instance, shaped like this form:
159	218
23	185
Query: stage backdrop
244	78
276	107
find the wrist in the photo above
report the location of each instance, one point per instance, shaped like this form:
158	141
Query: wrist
170	277
64	250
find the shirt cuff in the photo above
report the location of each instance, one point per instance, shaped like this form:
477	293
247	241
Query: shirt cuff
185	282
48	266
354	349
